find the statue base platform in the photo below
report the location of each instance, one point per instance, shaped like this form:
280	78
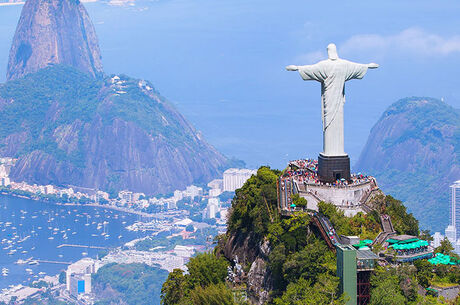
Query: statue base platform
333	168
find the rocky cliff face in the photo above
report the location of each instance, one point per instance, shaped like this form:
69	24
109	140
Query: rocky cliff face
248	250
54	32
413	150
118	133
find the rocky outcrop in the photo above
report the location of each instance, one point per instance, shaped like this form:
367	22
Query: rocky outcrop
70	125
413	152
251	253
120	134
54	32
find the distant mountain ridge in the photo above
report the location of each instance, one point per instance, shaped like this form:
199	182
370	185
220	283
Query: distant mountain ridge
54	32
70	125
413	150
111	134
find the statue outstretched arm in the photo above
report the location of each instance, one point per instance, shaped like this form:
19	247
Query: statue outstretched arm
292	68
372	65
308	72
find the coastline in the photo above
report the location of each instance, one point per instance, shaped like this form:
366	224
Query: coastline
119	209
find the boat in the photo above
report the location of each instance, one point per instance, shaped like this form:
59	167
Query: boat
51	237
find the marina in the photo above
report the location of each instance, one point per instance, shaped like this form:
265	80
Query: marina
38	238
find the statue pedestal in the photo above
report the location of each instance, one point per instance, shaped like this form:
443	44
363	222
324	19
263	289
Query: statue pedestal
332	168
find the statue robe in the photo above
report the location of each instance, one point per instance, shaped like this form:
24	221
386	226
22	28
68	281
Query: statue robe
333	74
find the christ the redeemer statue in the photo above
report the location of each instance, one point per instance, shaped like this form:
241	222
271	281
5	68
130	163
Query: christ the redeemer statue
333	73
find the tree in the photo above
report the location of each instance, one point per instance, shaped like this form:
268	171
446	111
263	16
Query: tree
255	204
206	269
302	292
212	295
425	235
387	292
403	222
308	263
445	247
424	274
172	290
299	201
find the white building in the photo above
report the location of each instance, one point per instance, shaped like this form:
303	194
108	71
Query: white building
215	192
5	181
49	189
100	195
216	184
3	171
437	238
69	192
193	191
125	196
178	195
80	284
137	196
212	208
234	178
454	215
184	251
453	230
171	204
82	267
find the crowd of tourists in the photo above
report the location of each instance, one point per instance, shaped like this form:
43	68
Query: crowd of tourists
306	172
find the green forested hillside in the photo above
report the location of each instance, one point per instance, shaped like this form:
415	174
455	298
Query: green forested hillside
285	261
133	284
111	133
413	151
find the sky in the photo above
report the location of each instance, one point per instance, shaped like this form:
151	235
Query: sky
222	63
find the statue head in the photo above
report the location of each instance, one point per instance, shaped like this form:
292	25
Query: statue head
332	52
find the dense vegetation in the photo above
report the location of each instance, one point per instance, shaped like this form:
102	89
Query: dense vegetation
81	131
301	267
58	95
204	284
133	284
401	285
413	151
29	101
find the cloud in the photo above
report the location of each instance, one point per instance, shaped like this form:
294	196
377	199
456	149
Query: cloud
411	41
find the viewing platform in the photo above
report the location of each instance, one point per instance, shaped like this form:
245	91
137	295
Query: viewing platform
301	178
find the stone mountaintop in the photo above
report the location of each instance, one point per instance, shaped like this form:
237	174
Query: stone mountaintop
68	124
54	32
